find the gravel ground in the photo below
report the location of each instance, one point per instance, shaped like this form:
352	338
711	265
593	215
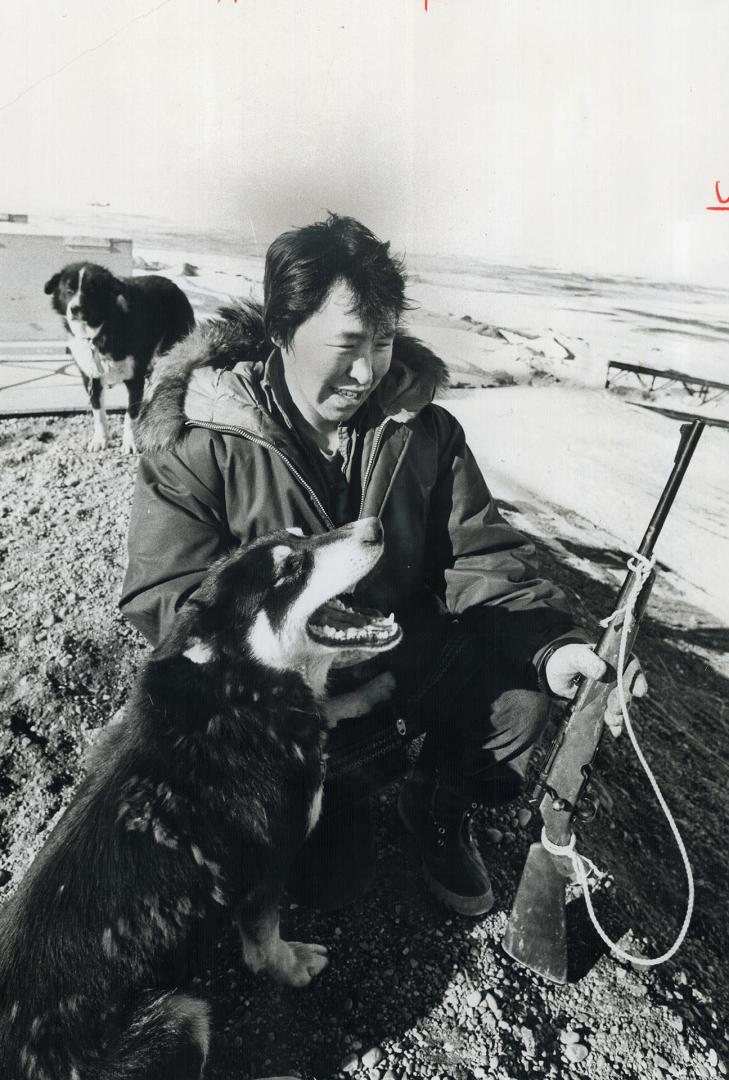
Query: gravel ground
410	991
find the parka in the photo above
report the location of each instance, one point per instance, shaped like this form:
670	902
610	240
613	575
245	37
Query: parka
222	465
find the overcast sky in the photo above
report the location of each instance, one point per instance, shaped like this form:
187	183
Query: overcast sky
577	133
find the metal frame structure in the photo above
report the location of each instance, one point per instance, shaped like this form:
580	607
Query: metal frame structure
707	390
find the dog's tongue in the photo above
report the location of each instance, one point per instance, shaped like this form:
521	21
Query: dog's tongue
340	615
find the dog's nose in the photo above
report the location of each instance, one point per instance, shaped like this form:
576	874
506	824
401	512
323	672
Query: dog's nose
371	531
75	310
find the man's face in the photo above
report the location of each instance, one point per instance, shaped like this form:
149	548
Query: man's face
335	361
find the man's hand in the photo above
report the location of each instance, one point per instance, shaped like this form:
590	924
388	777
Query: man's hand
569	661
360	701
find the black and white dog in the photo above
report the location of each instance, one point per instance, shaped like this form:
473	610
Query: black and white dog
116	327
196	803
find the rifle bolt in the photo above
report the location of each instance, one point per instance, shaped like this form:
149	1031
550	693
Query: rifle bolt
559	804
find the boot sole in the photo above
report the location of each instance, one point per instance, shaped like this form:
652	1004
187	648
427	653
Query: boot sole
462	905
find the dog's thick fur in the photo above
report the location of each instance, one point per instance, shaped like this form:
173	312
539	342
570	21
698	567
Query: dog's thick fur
194	804
116	327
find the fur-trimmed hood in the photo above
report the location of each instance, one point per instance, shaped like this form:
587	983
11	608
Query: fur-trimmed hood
214	376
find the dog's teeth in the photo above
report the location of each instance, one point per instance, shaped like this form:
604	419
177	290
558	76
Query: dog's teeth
379	629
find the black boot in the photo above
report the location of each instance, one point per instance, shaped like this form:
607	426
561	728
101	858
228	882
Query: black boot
440	819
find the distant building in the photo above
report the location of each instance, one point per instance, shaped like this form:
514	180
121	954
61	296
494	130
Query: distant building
16	219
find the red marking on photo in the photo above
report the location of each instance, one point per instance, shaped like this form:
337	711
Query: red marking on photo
723	203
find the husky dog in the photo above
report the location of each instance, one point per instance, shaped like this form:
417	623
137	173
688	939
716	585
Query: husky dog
196	803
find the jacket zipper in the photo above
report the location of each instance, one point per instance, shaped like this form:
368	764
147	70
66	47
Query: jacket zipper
231	430
340	764
371	463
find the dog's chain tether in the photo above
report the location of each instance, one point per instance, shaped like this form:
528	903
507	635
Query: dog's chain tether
581	865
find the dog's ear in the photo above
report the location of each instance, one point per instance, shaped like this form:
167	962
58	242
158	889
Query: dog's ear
50	285
122	303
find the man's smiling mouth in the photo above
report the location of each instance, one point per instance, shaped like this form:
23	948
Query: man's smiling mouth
349	392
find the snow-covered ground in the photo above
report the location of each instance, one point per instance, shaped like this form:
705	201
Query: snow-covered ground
590	453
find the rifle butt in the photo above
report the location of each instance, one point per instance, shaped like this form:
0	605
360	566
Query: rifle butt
536	933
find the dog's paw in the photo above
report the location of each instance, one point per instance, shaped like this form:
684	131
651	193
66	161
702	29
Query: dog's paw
304	963
129	446
99	442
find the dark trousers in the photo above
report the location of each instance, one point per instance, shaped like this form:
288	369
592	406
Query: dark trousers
461	686
480	712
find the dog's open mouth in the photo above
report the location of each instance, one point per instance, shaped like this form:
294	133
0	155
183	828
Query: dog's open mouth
338	622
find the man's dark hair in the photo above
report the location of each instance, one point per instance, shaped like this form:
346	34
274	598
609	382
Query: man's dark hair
303	265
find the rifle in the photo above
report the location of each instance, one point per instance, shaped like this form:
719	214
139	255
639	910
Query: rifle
536	933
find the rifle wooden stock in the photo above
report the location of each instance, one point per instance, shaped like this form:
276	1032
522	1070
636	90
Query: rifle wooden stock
536	930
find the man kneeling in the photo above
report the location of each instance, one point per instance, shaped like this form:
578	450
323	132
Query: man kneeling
312	411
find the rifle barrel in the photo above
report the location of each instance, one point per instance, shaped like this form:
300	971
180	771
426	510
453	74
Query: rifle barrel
690	435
